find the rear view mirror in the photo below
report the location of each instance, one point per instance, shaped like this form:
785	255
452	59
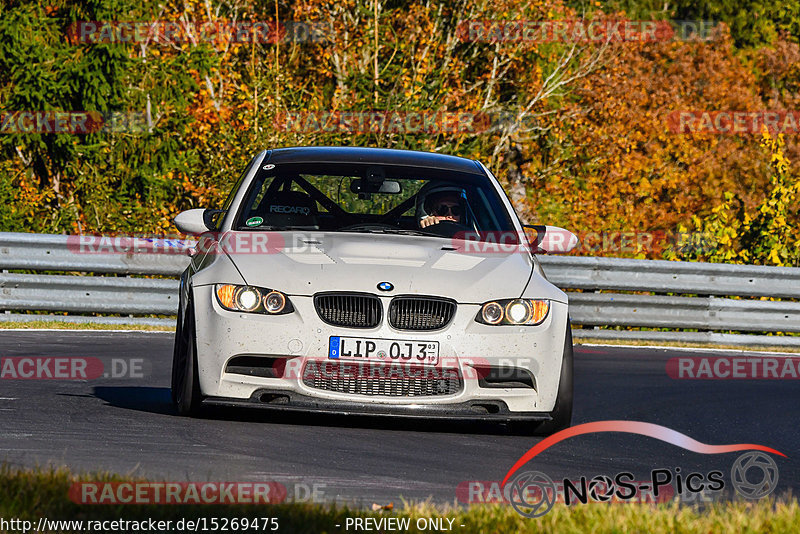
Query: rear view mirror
389	187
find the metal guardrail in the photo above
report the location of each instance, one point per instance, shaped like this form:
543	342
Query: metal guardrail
88	294
703	313
44	252
659	276
593	305
706	312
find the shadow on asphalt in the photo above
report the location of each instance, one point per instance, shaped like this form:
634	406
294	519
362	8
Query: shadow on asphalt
158	401
143	399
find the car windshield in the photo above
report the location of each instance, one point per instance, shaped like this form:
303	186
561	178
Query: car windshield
371	198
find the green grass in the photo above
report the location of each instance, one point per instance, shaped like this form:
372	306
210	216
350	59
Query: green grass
57	325
31	494
681	344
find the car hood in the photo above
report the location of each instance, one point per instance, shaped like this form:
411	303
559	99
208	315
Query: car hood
305	264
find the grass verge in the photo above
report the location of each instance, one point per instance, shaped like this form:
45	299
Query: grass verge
34	494
680	344
56	325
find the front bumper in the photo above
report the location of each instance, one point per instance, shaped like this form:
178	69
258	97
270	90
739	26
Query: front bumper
301	336
291	401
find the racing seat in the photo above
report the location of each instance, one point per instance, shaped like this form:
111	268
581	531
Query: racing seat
290	208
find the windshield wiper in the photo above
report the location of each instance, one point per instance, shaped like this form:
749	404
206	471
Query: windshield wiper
401	231
393	231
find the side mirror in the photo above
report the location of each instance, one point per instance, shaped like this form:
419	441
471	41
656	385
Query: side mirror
192	221
552	239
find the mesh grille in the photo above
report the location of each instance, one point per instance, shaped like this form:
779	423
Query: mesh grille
349	309
420	313
358	378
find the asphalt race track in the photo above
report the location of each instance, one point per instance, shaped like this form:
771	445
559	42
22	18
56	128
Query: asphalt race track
127	425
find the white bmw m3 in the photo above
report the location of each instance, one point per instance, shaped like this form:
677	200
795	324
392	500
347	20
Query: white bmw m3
372	281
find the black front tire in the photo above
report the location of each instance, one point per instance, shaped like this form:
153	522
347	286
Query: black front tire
186	395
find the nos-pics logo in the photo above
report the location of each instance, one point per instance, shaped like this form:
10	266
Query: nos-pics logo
532	494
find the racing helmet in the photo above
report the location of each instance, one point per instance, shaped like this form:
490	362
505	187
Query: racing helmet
433	191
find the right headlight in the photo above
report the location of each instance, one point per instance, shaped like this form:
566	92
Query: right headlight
513	312
252	299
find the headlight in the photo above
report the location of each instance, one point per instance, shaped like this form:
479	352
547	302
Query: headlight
492	313
274	302
247	298
513	312
252	299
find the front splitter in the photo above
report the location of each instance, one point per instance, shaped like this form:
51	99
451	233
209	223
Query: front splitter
291	401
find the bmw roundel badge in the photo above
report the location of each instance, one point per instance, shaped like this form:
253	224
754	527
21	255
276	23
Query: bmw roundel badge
385	286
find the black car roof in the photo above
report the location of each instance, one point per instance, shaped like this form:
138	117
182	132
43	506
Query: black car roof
385	156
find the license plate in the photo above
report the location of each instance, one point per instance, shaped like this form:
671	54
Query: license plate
391	350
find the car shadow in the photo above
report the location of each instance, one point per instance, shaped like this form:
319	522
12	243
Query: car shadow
143	399
158	401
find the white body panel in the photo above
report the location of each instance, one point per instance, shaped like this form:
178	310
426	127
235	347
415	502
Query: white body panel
415	265
222	334
312	262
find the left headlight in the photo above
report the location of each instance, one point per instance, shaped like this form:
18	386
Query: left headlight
513	312
252	299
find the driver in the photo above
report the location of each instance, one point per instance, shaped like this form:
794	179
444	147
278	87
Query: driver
442	204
